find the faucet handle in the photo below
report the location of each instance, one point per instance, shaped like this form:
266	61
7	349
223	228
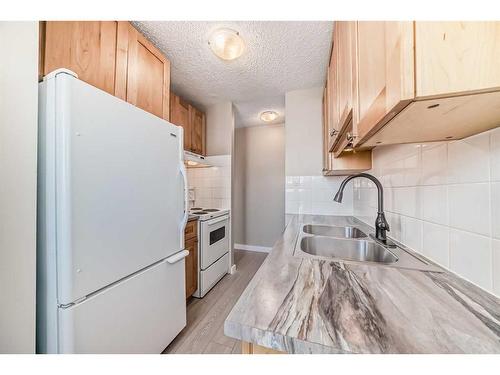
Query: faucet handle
381	222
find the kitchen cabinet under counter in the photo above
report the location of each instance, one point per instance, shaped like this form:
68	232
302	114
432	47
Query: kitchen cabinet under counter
301	304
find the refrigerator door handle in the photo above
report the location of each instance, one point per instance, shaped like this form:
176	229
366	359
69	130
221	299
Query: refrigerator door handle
186	202
177	256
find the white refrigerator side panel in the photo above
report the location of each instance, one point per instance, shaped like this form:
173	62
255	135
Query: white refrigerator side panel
46	281
141	314
119	188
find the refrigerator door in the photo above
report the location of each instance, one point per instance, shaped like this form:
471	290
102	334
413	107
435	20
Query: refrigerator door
141	314
119	191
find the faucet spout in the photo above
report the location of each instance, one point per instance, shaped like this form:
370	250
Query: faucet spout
381	225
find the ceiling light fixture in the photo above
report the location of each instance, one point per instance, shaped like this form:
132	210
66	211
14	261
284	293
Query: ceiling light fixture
226	44
269	116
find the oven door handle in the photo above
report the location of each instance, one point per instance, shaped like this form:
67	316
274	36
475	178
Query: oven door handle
217	220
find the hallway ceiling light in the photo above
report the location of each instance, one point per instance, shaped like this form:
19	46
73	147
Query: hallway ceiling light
269	116
226	44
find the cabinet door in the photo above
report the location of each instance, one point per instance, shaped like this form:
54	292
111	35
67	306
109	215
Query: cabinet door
326	137
179	115
197	130
191	267
385	73
454	57
343	39
88	48
333	103
148	76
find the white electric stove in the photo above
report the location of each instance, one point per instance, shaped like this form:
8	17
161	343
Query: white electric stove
207	213
213	246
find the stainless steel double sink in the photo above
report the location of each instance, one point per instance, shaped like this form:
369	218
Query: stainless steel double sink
351	244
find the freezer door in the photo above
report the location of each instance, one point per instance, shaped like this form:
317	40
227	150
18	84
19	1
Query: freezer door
119	191
142	314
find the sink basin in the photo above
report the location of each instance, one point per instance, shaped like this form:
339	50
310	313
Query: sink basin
331	231
361	251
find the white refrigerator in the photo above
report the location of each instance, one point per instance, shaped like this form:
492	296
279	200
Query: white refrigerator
111	217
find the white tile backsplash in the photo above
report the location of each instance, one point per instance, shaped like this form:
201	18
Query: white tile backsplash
442	199
470	207
468	159
436	243
212	186
434	162
412	232
471	257
435	203
314	195
407	201
495	154
495	210
496	266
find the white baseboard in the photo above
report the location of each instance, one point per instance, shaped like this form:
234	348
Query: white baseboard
261	249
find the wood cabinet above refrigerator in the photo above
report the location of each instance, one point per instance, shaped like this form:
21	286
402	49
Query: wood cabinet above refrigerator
112	56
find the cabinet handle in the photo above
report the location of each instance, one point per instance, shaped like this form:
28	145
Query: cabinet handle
334	132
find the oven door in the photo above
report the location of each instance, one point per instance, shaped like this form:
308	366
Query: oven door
214	240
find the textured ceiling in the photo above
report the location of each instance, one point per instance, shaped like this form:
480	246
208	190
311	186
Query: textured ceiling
279	57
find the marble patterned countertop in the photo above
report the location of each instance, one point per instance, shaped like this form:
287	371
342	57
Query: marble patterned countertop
309	305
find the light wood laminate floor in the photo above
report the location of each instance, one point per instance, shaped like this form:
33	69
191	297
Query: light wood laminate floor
204	332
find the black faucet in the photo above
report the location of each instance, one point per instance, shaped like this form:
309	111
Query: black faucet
381	225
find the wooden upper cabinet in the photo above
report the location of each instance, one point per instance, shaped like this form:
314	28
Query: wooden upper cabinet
148	75
333	102
410	82
180	116
385	74
192	120
343	38
335	92
454	57
112	56
326	151
88	48
442	81
197	130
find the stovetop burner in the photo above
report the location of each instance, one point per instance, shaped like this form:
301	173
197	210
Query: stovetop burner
196	208
200	212
211	209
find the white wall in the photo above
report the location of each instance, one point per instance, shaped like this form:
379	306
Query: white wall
220	128
18	161
259	185
303	132
443	200
307	191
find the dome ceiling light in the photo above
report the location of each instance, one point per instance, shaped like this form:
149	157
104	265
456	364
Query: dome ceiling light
226	44
269	116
